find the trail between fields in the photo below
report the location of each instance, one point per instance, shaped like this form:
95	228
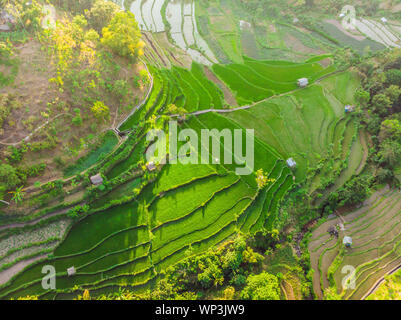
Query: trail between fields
7	274
37	220
200	112
116	129
379	282
34	131
4	275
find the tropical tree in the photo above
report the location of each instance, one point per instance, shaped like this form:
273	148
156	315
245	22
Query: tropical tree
331	294
262	179
100	110
101	13
393	92
123	37
86	295
381	104
264	286
362	97
390	153
393	76
18	194
390	128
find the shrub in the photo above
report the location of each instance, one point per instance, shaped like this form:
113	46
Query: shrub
100	110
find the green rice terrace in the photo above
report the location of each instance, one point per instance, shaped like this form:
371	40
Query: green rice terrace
79	194
374	229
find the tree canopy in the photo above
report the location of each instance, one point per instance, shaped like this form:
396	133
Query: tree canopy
264	286
123	37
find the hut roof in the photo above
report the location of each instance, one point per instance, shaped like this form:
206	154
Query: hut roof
71	271
349	108
291	163
303	82
347	240
97	179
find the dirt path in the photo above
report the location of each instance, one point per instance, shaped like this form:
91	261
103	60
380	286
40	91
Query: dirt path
37	220
139	105
7	274
228	95
197	113
289	290
379	282
28	137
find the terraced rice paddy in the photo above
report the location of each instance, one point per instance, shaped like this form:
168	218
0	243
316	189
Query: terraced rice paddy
317	110
379	32
375	230
187	209
180	15
359	42
190	208
217	67
256	80
190	89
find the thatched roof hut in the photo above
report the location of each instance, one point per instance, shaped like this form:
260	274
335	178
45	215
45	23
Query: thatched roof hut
303	82
347	241
71	271
97	180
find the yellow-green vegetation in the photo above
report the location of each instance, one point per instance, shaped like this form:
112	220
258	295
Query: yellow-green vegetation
390	289
123	37
374	229
67	90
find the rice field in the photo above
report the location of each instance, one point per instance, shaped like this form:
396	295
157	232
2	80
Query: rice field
182	25
316	111
103	148
359	43
190	89
255	80
375	230
378	32
188	207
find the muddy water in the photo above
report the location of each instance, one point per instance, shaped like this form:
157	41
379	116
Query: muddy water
147	15
136	10
157	15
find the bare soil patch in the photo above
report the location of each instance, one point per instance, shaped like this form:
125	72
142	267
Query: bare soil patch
228	96
33	91
7	274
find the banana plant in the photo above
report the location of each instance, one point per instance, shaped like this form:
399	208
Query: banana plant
18	194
